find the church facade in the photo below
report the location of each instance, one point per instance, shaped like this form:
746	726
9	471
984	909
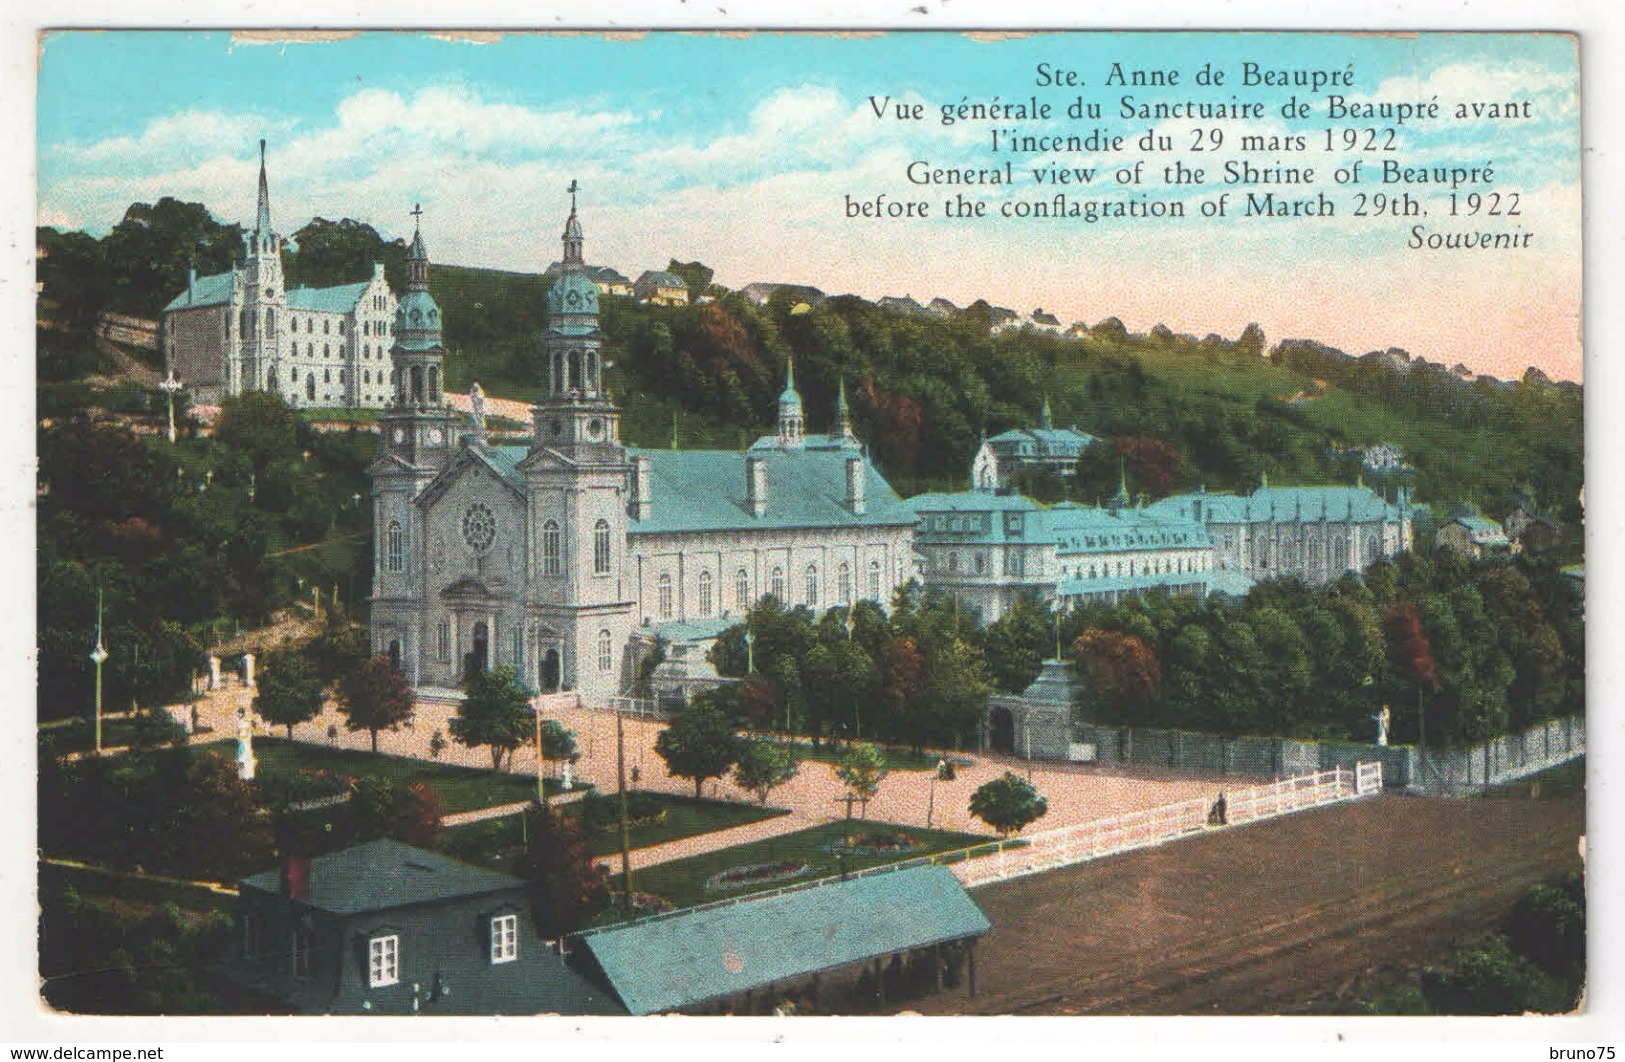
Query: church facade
245	330
567	556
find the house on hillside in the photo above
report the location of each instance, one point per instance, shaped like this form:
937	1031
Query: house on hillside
1055	450
904	304
761	291
610	281
941	307
660	288
1469	533
1044	322
1002	319
386	928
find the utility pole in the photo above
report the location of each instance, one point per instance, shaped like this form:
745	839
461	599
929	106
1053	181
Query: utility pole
99	655
620	784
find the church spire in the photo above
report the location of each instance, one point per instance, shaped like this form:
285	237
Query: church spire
1044	418
572	232
262	221
791	422
417	255
843	413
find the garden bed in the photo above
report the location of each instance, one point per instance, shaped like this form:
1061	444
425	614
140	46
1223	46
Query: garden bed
755	875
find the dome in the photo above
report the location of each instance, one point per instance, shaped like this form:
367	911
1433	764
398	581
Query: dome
572	293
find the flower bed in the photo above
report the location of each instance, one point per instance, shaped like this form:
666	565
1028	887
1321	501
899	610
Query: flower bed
754	874
875	842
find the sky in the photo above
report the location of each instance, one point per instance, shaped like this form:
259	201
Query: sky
740	150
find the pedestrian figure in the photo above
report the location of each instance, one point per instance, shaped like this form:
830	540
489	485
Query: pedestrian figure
1217	816
634	776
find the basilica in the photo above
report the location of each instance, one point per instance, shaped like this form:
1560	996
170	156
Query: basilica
568	556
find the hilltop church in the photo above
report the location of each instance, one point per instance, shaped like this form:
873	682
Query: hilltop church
567	556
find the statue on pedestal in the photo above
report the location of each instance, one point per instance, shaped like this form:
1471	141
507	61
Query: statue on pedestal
245	746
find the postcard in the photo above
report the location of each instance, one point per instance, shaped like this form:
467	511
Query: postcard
785	523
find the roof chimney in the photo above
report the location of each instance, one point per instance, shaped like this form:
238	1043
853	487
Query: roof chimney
296	878
642	501
854	484
756	483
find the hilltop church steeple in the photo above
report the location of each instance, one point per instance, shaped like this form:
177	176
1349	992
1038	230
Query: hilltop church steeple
572	234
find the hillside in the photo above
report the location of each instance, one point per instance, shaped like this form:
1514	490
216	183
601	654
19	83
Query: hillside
923	389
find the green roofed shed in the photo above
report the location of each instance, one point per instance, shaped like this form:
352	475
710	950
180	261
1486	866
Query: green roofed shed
685	959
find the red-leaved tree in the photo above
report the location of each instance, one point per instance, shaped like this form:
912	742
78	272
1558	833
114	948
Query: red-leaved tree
375	696
1122	670
1411	654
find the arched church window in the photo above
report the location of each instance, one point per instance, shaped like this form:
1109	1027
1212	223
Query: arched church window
293	374
843	585
310	387
552	544
417	383
327	376
327	327
606	651
874	580
434	383
705	593
953	562
600	548
776	584
812	585
270	379
395	546
270	324
742	590
665	598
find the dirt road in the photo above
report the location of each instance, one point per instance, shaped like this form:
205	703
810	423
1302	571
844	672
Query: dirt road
1262	919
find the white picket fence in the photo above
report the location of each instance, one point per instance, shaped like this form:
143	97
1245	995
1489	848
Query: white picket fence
1062	847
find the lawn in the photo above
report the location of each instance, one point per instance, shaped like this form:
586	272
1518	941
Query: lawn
897	759
131	892
460	788
116	734
683	881
496	843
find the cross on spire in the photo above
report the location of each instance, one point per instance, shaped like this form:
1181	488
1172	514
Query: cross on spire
417	212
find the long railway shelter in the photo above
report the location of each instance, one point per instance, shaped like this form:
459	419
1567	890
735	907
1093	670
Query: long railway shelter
819	949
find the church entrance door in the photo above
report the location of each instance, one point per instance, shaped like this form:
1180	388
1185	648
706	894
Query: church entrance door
1001	726
479	657
548	677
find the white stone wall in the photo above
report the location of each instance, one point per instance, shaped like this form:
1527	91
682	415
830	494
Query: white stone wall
682	558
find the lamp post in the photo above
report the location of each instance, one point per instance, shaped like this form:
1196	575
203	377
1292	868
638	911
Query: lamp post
169	387
99	655
857	708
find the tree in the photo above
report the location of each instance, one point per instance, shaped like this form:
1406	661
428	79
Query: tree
696	275
566	885
1122	670
495	712
699	743
260	424
290	691
1411	654
558	744
1008	804
374	697
1015	646
861	770
763	766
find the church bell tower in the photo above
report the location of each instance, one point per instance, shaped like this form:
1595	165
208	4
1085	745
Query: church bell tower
417	427
576	476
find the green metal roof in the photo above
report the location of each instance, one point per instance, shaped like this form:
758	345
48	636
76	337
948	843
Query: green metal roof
385	874
340	299
679	960
704	490
204	291
1283	504
1041	442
